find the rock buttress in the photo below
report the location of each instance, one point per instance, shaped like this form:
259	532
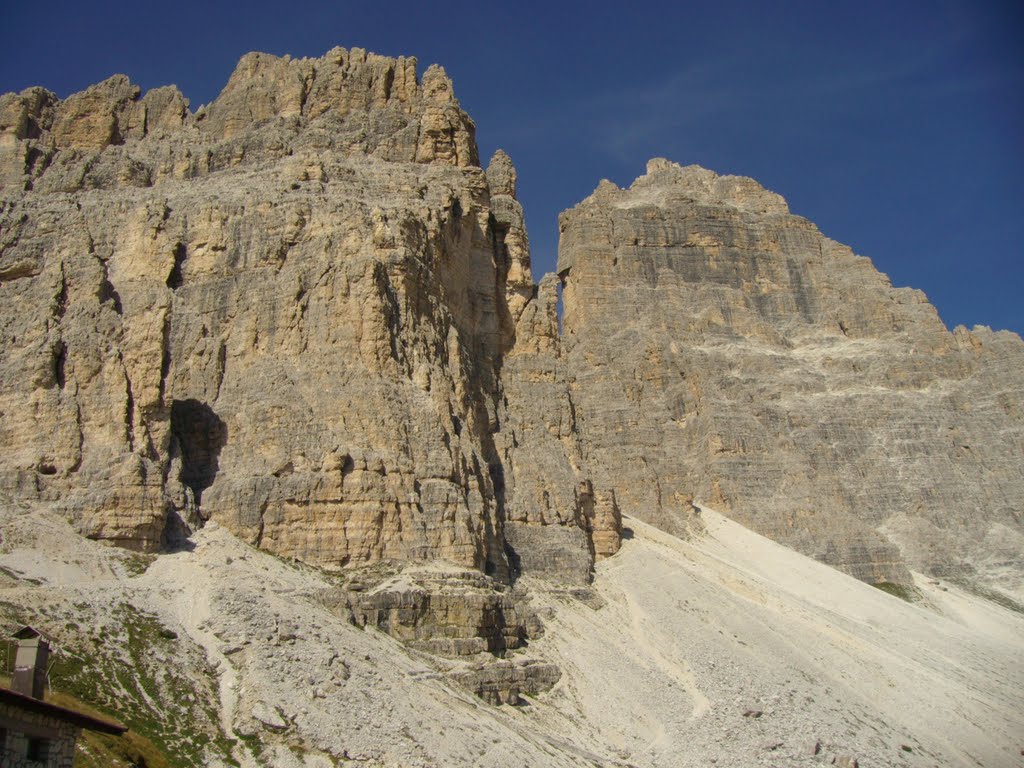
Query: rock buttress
287	312
720	348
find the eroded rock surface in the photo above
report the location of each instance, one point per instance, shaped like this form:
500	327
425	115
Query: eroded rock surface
444	612
287	311
720	348
306	311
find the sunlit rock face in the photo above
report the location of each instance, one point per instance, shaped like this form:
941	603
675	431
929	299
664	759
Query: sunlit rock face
306	311
286	311
720	348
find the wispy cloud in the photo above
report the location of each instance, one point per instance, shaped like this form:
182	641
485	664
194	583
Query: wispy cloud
810	84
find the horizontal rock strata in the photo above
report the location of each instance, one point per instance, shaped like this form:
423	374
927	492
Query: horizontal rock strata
306	311
722	349
445	613
286	311
506	682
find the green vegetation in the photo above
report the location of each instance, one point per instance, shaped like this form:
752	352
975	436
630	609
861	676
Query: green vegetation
145	689
18	577
898	590
101	750
129	669
253	743
136	564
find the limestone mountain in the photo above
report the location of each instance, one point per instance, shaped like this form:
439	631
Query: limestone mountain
287	312
720	348
287	352
307	312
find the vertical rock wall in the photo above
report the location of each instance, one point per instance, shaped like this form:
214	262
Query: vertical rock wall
721	348
307	312
287	312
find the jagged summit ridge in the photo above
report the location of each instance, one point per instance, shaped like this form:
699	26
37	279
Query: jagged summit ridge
301	320
666	180
352	101
306	310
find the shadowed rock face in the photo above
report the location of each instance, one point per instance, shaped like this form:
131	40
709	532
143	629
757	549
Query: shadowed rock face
200	435
720	348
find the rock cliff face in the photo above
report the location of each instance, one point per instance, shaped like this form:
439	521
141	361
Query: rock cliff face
306	311
720	348
556	520
287	312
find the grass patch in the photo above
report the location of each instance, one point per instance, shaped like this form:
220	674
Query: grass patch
144	688
910	595
99	750
102	750
130	667
136	564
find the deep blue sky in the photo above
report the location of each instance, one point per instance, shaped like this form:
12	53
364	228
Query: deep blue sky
896	126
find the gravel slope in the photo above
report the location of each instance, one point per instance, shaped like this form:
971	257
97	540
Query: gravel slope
730	650
696	639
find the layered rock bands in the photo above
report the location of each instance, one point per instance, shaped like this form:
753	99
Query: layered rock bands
305	311
288	311
720	348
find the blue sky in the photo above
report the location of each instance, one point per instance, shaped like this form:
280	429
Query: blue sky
897	127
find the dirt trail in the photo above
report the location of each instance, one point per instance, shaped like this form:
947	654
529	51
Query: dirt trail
184	585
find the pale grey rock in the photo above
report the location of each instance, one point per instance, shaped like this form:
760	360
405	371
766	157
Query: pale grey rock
506	682
304	314
553	520
269	716
443	612
722	349
501	175
511	243
23	118
305	311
